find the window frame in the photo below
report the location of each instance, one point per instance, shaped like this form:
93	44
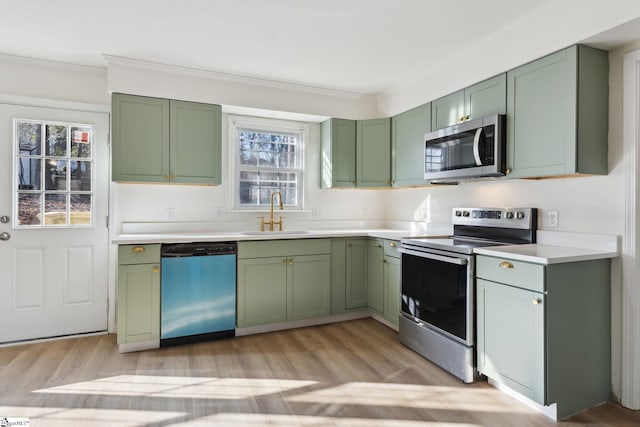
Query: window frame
237	123
68	192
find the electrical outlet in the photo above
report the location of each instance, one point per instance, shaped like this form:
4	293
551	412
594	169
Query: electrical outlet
552	219
315	212
171	213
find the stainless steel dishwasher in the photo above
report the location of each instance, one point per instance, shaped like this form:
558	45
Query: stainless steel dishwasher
198	292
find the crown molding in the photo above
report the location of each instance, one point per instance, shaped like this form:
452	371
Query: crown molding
113	60
25	60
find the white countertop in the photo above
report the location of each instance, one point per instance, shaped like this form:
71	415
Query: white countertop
545	254
200	236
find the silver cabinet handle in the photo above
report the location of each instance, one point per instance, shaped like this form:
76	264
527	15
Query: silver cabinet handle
4	219
5	236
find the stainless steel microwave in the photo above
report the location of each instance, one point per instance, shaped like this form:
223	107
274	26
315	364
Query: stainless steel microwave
468	150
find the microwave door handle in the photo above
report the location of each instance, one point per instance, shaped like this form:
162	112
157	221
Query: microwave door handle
476	147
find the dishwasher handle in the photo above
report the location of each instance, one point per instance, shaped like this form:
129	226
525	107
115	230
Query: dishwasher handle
198	249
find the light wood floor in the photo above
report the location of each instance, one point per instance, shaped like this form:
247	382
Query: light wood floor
353	373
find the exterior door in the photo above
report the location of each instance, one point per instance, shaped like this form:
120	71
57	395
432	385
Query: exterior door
54	243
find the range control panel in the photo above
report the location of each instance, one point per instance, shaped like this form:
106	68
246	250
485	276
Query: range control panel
525	218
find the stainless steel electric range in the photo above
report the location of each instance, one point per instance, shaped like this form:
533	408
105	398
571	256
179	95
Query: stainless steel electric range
437	318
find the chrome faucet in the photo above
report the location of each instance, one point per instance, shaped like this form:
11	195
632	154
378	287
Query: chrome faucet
272	222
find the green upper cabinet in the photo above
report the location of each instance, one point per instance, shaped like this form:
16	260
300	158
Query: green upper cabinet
161	140
140	138
355	153
557	115
407	146
482	99
196	145
373	153
338	153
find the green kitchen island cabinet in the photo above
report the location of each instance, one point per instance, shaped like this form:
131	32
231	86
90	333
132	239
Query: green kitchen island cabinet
482	99
407	146
338	153
544	331
373	153
138	308
165	141
283	280
557	115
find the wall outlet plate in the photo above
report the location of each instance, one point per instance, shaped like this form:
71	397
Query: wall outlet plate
552	219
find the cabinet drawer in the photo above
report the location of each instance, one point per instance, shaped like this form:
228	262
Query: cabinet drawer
138	254
391	248
271	248
515	273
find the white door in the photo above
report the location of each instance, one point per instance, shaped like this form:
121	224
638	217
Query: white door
53	222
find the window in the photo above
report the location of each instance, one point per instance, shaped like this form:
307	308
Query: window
53	174
268	158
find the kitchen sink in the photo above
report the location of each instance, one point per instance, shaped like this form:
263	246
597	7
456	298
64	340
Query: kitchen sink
259	233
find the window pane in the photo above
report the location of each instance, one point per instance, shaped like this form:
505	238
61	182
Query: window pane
29	172
55	175
80	175
55	209
29	209
81	142
56	140
29	138
80	209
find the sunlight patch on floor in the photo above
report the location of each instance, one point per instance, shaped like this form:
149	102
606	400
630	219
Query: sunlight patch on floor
179	387
251	420
410	396
47	417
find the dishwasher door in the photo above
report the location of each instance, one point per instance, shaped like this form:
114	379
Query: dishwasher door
198	298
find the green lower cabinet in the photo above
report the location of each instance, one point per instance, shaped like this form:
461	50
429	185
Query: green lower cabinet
308	286
511	337
356	274
138	307
293	284
545	330
262	291
375	275
392	289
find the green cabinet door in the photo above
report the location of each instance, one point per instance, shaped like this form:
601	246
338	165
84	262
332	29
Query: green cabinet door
511	337
448	110
195	143
486	98
140	139
407	146
338	153
375	275
308	286
373	153
138	310
392	289
356	273
262	291
557	114
479	100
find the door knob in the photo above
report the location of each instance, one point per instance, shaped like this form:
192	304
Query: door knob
5	236
4	219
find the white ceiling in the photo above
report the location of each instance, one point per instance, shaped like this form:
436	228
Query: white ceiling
361	46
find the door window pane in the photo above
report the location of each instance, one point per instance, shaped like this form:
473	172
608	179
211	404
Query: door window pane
29	208
53	180
55	209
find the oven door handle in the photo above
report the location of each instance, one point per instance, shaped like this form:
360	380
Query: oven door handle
450	260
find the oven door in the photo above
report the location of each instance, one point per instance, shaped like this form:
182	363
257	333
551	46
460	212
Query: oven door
437	290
